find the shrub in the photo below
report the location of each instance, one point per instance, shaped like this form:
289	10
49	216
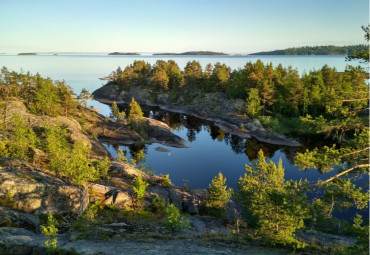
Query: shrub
50	231
173	221
158	205
139	187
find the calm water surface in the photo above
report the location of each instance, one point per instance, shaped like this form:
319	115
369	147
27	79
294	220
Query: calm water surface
211	150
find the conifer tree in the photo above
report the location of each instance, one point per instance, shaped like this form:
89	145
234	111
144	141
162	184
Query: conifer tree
253	103
278	206
218	195
135	114
116	115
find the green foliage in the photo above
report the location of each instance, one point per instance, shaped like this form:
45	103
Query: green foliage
165	181
139	187
102	167
361	53
84	96
278	206
135	114
218	196
362	233
116	115
41	96
50	231
72	161
21	143
172	220
158	205
253	103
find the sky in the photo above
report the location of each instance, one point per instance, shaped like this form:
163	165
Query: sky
231	26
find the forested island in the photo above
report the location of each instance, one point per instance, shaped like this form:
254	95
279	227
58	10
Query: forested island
124	53
318	50
195	53
27	54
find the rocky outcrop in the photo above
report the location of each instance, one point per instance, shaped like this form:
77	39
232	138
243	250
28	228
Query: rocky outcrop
160	132
13	218
73	127
120	133
28	189
225	113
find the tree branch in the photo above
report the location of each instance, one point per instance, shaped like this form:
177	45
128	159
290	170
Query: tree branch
344	172
355	152
353	100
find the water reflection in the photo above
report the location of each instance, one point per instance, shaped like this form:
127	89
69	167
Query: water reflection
250	147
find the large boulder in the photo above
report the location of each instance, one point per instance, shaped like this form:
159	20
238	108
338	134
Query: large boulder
28	189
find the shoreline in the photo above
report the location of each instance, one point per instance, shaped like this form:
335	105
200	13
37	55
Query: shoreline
251	131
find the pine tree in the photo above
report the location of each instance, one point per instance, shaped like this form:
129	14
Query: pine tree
135	114
84	96
278	206
116	115
253	103
218	195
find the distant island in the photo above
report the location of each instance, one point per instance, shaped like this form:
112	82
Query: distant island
199	53
124	53
27	54
317	50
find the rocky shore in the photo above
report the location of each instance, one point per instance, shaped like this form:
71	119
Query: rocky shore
215	107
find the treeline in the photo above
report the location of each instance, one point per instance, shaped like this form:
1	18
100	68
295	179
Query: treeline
269	90
317	50
42	96
49	145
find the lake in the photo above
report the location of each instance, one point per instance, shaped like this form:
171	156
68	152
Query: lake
211	150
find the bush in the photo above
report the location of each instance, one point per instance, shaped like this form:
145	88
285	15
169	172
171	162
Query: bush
139	187
50	231
173	221
158	205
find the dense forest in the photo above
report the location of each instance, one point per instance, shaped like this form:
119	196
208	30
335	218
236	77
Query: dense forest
272	93
317	50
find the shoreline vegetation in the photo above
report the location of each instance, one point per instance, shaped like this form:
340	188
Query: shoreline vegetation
317	50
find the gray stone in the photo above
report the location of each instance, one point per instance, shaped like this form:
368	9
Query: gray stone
38	192
9	217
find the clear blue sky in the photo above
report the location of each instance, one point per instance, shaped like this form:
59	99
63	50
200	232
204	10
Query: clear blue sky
232	26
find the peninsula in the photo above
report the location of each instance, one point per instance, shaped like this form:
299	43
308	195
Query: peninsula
317	50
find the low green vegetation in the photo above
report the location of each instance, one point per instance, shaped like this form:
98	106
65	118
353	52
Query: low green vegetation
173	221
139	187
50	231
